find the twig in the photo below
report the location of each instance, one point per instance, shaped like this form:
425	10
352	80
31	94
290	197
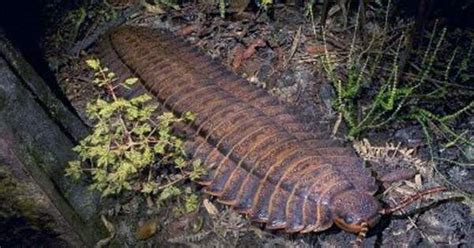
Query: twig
294	46
337	124
454	162
110	227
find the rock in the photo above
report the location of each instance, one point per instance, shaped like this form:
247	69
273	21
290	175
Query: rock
37	133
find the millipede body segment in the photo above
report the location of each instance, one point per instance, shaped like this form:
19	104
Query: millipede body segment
264	162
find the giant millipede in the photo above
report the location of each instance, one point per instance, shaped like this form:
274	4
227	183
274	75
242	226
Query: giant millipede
265	162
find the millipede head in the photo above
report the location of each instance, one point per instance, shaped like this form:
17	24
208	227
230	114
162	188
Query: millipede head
363	206
355	212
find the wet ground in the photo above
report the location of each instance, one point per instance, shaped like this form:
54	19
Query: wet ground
282	54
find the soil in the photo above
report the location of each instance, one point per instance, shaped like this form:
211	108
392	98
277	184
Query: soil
282	54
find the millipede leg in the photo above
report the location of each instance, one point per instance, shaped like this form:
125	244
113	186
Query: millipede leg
361	236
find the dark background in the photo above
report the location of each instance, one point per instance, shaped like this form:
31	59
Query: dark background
24	22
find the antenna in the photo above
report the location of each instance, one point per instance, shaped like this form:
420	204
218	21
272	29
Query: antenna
411	199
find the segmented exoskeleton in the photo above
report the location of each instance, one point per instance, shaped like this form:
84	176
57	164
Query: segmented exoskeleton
264	162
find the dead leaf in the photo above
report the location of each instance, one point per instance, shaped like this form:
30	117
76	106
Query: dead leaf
189	29
314	49
147	230
210	208
155	9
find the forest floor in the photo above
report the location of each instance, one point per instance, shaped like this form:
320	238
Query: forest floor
283	54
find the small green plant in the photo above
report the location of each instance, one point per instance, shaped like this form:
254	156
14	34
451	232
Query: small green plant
391	97
222	8
169	3
266	4
372	91
130	145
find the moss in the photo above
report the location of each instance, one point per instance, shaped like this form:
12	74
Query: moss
11	193
22	221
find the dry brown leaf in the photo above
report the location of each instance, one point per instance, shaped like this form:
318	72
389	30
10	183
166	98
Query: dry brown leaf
210	208
147	230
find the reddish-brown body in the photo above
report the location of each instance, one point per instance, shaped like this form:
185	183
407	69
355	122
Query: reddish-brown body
265	162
